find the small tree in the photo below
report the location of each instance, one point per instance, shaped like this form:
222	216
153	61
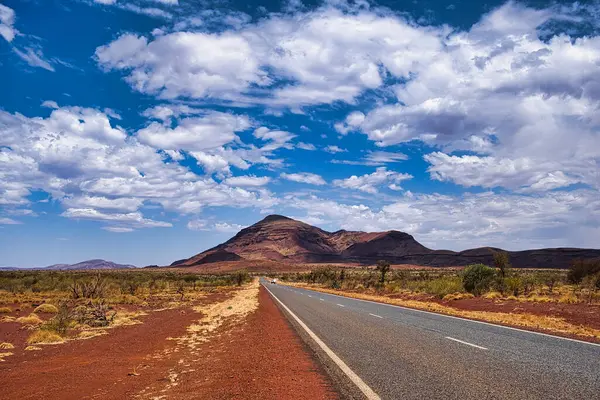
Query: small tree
181	289
241	277
383	267
502	262
477	278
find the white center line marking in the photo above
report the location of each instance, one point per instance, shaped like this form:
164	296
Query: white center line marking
341	305
364	388
309	296
467	343
375	315
322	299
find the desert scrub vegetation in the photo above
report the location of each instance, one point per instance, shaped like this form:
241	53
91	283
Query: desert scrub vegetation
130	287
580	283
81	304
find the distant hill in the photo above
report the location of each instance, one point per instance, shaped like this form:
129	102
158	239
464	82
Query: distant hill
90	264
84	265
282	239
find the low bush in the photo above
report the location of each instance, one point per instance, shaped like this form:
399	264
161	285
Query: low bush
44	337
513	285
5	310
94	315
62	320
443	286
478	278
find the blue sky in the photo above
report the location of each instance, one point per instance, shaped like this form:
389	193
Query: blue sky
145	131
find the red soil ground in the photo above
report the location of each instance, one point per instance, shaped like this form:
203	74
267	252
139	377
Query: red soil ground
259	359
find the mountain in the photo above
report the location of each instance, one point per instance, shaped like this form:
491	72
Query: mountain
90	264
282	239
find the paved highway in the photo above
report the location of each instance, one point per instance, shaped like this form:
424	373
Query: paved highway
398	353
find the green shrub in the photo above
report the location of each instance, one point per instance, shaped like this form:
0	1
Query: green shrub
443	286
513	285
581	268
61	321
478	278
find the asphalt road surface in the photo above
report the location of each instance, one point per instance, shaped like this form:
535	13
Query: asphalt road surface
400	353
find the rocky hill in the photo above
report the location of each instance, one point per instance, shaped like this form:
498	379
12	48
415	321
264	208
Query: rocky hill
282	239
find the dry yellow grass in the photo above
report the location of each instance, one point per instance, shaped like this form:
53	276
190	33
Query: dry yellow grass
46	308
5	310
124	318
31	319
8	319
492	295
32	348
531	321
457	296
568	298
44	337
31	297
537	299
6	346
91	334
3	355
236	308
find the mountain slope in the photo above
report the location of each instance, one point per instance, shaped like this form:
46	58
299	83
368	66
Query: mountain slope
282	239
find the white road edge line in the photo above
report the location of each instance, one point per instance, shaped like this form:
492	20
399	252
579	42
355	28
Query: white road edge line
467	343
364	388
463	319
341	305
375	315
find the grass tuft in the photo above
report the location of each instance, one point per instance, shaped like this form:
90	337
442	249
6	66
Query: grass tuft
32	348
492	295
31	319
6	346
46	308
91	334
5	310
568	299
458	296
44	337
